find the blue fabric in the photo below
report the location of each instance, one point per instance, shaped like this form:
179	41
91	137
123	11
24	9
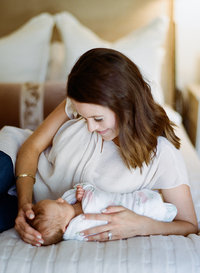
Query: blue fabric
7	178
8	203
8	211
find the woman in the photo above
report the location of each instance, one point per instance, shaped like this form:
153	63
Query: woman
138	148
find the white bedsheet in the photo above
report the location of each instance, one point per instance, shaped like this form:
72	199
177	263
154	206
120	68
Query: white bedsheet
158	254
150	254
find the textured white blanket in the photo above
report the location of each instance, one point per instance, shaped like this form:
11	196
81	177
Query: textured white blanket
154	254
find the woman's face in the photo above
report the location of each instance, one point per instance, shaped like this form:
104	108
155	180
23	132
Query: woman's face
99	118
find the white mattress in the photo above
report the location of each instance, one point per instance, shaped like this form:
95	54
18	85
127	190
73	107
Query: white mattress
150	254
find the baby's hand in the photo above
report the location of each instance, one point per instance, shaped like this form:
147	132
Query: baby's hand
79	193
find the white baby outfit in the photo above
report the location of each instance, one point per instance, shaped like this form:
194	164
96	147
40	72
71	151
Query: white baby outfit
144	202
76	156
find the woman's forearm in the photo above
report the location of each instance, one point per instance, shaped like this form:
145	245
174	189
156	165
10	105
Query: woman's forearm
27	160
124	223
24	191
177	227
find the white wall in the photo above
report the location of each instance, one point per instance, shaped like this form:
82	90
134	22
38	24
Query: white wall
187	20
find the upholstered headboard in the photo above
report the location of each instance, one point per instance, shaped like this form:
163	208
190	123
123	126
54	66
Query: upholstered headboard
110	20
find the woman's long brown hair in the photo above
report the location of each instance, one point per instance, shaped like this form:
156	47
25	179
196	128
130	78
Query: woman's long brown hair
108	78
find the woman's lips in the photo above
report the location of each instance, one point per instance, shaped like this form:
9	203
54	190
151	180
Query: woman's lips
102	132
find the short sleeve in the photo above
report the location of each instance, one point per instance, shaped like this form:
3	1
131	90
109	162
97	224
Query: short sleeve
70	110
171	169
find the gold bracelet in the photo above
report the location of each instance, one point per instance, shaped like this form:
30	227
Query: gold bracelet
26	175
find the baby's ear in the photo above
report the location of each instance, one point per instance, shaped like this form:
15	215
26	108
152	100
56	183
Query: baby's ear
64	229
60	200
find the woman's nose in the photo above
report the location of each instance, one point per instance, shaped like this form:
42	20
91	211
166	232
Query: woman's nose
92	126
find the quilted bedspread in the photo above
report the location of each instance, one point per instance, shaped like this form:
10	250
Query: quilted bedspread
151	254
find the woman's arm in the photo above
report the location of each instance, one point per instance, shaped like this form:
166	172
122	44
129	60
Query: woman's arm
27	160
124	223
186	216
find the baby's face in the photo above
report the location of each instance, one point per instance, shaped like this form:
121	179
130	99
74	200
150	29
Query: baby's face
59	209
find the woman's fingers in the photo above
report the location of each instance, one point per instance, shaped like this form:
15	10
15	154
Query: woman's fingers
95	230
107	214
99	233
113	209
121	223
97	216
102	237
30	214
26	232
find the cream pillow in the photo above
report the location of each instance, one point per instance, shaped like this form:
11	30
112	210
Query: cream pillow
56	71
143	46
24	53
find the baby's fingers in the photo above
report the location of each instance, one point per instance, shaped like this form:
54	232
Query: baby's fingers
79	193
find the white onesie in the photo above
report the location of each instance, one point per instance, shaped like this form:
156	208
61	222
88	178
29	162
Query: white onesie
143	202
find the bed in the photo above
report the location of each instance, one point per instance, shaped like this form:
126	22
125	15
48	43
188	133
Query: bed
47	46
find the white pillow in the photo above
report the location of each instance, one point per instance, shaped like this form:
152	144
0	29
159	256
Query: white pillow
24	53
143	46
55	70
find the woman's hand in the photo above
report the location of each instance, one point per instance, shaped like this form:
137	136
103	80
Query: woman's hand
122	223
26	232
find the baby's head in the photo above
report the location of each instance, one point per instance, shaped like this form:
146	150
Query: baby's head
51	219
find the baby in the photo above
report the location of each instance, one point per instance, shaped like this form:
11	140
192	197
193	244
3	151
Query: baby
63	218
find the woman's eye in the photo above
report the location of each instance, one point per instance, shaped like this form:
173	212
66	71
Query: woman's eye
98	119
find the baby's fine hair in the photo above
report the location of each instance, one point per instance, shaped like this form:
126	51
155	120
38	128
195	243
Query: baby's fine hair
48	225
107	77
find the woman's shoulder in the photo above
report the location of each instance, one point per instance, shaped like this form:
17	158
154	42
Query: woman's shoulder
164	145
170	165
168	154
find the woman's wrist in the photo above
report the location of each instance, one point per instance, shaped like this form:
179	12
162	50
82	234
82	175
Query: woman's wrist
154	227
23	202
24	191
146	226
22	177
